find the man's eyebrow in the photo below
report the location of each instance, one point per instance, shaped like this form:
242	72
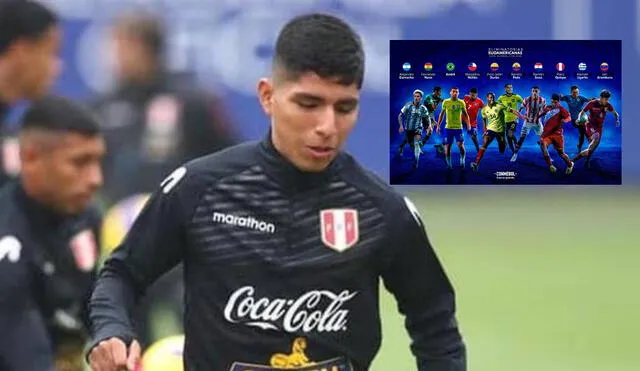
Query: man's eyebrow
318	99
348	101
308	97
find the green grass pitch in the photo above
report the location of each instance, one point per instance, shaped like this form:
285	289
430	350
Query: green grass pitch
546	278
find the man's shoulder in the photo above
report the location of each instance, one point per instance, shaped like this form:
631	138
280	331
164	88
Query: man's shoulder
226	161
217	165
397	209
371	184
11	214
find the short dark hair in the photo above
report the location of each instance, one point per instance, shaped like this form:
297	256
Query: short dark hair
437	88
605	93
21	19
508	84
492	94
555	96
473	90
147	28
454	88
574	87
58	114
535	87
322	44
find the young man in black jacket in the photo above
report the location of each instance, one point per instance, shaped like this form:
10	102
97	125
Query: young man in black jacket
48	249
284	241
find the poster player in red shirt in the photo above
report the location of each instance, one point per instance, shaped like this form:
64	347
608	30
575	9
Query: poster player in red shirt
597	111
474	105
552	133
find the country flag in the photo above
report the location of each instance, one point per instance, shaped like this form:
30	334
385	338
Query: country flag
451	66
537	67
516	67
406	66
472	66
604	67
582	66
560	66
428	66
494	66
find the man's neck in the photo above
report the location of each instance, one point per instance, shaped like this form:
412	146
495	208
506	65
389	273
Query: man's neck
36	197
278	147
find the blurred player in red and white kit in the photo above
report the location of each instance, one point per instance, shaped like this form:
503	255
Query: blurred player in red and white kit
29	63
552	134
474	105
534	110
597	111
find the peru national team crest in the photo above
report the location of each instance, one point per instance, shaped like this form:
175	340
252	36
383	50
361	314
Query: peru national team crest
84	248
339	228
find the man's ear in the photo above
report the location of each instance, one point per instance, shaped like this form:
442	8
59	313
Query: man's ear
35	146
265	95
29	153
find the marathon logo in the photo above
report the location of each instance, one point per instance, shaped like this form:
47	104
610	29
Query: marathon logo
336	364
244	221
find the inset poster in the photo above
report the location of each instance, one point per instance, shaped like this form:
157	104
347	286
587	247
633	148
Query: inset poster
505	112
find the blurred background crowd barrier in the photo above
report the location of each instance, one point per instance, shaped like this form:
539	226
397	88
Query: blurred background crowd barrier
544	274
226	45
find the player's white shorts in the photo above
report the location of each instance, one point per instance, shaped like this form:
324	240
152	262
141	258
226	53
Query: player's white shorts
535	126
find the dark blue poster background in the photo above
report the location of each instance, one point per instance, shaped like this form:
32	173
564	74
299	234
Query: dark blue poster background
601	69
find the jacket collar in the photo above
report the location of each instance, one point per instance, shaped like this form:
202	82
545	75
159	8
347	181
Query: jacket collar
36	211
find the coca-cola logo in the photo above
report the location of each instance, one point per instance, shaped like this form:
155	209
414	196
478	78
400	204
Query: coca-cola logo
314	311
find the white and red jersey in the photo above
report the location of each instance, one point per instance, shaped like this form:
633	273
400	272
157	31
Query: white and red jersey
534	108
